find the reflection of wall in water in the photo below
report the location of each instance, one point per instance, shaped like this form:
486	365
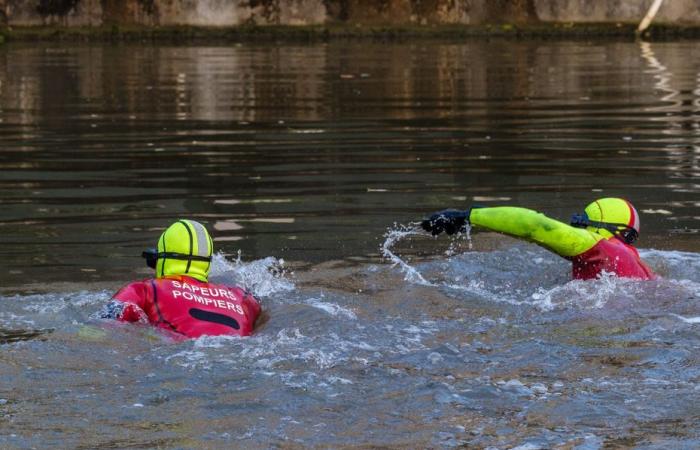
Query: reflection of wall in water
235	83
20	92
677	91
306	83
534	81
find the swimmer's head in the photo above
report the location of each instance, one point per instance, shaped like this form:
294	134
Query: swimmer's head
184	248
610	217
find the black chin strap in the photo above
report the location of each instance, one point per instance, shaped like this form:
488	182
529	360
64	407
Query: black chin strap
152	256
628	234
180	256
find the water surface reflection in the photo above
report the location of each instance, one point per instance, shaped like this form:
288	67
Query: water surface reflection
309	152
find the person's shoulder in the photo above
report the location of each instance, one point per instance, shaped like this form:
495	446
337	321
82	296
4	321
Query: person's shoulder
620	245
203	284
132	291
238	291
136	284
228	287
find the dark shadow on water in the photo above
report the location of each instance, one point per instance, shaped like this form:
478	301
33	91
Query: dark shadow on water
8	336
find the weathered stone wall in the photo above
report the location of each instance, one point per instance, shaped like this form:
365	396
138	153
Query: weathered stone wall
351	12
672	11
162	12
239	12
45	12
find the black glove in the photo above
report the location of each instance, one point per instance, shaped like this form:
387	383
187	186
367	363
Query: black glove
450	221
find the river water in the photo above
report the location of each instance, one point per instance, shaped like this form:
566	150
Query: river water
308	163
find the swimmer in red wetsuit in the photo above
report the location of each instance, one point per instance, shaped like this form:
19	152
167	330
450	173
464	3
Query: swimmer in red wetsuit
599	240
180	299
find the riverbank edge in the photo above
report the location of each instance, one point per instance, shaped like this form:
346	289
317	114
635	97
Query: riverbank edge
249	33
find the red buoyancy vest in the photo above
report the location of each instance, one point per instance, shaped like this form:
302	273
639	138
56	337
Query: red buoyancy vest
613	256
190	307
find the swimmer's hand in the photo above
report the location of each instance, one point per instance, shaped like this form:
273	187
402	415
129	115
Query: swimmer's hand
450	221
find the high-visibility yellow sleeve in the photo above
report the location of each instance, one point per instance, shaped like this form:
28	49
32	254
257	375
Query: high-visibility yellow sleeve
533	226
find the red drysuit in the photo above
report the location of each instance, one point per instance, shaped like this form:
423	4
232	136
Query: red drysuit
612	256
186	306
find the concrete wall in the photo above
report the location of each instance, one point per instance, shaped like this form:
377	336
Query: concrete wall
320	12
672	11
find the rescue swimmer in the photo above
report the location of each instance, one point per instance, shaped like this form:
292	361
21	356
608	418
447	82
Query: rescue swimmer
596	241
180	299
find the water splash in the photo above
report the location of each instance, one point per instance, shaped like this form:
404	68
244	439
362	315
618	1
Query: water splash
588	294
526	275
262	277
331	308
53	303
481	289
454	247
394	235
673	263
692	320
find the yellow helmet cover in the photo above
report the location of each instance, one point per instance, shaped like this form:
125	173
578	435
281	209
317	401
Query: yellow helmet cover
614	211
185	248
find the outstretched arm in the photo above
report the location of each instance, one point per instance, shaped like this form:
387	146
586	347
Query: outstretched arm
523	223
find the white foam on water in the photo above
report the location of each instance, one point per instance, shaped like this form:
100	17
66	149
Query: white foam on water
54	303
214	341
334	380
270	353
191	359
8	319
586	294
46	310
528	446
692	320
262	277
293	358
673	264
323	359
478	287
331	308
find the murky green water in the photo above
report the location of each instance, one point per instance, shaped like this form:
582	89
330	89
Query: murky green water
309	154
